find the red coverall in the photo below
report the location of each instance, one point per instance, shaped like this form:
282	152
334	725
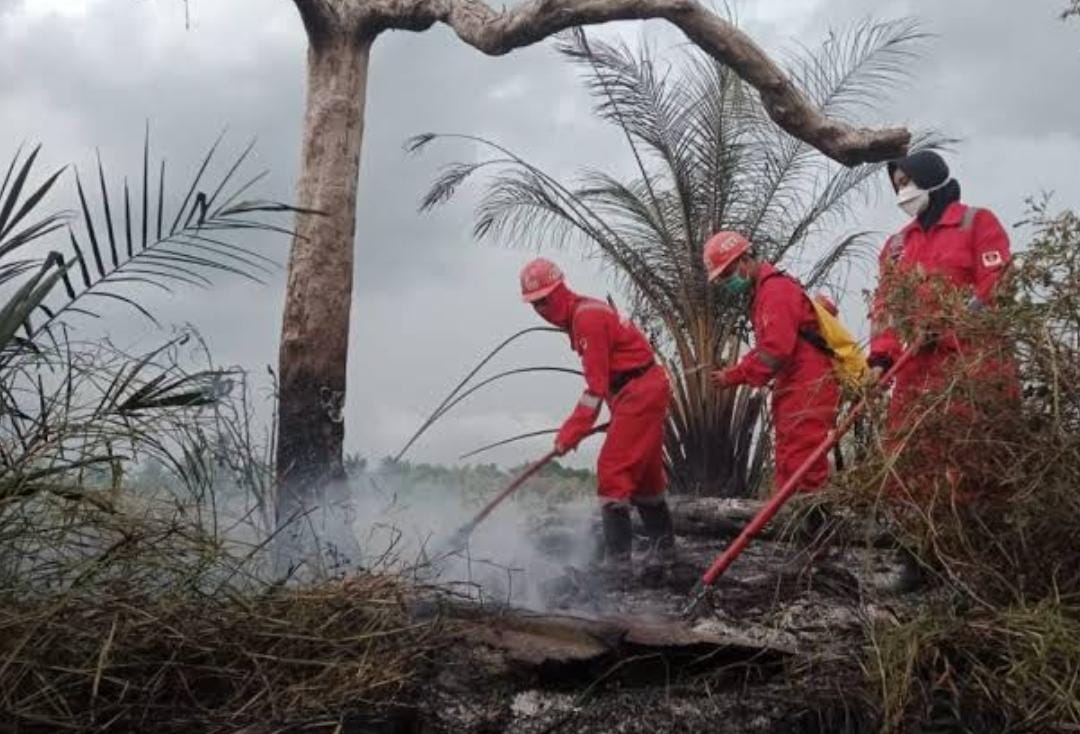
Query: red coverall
805	393
621	370
969	249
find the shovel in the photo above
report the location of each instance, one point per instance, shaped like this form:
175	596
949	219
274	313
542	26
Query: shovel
461	537
766	513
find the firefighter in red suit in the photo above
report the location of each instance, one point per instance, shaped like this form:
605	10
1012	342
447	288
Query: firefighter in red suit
788	352
621	371
946	245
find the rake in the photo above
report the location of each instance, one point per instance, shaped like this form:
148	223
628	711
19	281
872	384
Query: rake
460	538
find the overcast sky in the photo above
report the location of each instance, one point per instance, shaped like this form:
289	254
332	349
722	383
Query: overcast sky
84	74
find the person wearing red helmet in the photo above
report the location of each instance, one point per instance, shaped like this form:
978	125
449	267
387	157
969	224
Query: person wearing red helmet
620	370
788	352
947	247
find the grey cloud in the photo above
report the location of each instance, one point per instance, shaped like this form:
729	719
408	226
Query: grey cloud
453	89
1000	68
1010	64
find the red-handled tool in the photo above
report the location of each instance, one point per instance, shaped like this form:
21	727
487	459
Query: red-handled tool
457	540
766	513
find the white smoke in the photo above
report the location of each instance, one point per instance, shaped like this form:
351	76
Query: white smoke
393	522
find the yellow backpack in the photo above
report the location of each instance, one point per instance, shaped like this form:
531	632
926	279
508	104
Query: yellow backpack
834	339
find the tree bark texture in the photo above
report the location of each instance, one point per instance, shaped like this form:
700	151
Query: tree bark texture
315	327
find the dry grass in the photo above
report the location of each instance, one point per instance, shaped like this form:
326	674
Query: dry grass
212	650
138	609
1015	668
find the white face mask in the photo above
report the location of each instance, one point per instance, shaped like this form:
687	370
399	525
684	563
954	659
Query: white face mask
914	200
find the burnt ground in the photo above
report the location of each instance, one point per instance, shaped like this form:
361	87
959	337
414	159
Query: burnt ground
769	650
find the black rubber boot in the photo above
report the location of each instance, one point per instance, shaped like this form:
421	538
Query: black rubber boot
618	533
660	530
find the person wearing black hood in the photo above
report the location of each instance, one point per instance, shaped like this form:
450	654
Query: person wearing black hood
947	245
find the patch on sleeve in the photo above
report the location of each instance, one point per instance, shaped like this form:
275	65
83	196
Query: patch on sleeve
589	401
582	343
773	362
992	259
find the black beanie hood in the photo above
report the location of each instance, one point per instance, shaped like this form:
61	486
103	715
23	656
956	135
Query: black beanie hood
927	169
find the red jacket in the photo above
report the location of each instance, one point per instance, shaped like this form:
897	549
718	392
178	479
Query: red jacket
805	393
967	247
608	345
780	310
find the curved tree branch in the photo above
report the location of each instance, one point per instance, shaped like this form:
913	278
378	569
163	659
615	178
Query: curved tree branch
499	32
316	15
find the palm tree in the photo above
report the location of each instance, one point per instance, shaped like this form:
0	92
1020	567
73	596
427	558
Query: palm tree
318	292
121	241
66	403
707	158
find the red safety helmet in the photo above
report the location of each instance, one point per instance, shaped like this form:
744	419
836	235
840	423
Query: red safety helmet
722	249
539	278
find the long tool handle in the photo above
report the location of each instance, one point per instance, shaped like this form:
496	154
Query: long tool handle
510	489
766	513
466	530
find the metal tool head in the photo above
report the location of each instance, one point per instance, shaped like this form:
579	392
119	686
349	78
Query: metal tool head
698	594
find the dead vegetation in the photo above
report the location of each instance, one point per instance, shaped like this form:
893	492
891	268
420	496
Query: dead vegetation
158	608
118	659
123	610
128	608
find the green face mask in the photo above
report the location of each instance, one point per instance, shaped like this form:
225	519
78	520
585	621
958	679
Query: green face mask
736	285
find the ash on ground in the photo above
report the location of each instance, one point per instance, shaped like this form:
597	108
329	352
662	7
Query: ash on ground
781	609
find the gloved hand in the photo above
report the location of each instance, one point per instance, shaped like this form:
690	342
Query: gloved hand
576	427
721	378
879	364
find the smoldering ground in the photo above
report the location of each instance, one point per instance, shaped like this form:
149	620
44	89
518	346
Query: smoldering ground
393	521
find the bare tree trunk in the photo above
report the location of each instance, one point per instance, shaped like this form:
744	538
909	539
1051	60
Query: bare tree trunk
315	327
